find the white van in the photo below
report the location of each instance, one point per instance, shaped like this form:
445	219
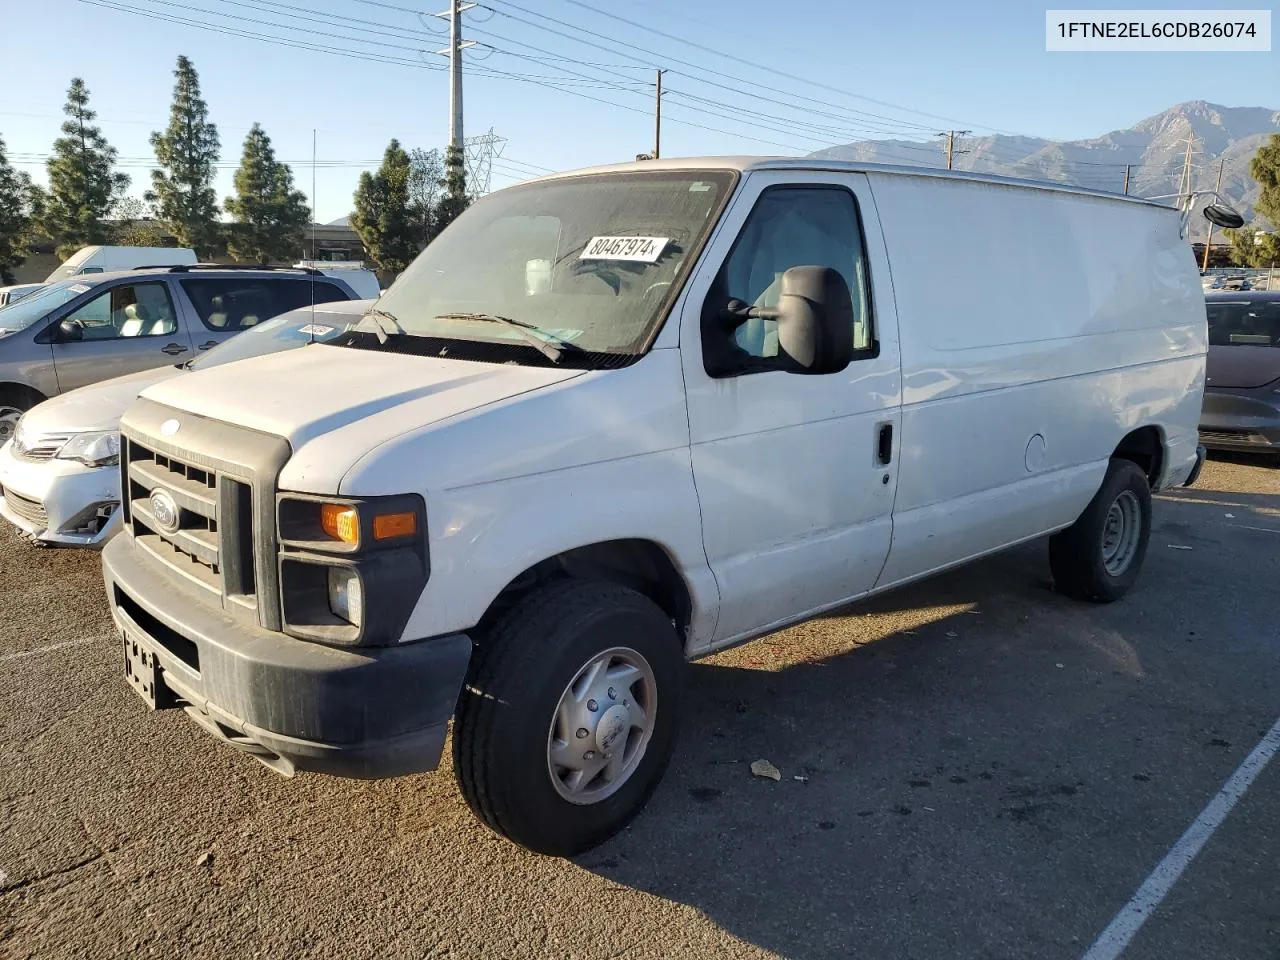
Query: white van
615	419
363	282
99	259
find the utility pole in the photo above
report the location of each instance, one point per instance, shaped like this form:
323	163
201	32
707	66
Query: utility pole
951	144
657	117
456	46
1126	178
1184	181
1209	242
455	156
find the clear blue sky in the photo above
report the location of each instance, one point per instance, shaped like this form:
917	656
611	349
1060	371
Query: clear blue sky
979	65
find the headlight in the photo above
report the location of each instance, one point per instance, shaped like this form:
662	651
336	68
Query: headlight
345	597
92	449
352	569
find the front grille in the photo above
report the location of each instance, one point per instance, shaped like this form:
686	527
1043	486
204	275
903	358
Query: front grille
214	525
192	548
1232	436
30	510
41	448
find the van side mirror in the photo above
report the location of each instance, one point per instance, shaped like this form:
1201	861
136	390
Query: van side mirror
70	331
815	320
1219	214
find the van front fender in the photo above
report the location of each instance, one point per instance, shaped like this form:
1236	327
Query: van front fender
484	536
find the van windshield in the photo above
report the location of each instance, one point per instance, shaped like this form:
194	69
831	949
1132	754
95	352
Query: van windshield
588	264
20	315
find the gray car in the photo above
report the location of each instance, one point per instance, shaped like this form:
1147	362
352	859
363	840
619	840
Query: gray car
89	328
1242	377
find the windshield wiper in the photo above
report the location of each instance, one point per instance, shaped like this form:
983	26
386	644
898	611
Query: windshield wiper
548	344
387	324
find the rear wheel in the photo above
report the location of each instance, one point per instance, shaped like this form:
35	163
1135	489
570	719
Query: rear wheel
569	715
1100	555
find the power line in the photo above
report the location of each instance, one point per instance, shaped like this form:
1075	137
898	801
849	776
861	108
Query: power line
270	23
233	32
749	63
628	87
848	113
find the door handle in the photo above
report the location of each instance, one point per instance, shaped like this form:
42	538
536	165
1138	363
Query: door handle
884	444
208	343
173	349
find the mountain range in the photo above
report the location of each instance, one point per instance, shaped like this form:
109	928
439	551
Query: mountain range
1154	150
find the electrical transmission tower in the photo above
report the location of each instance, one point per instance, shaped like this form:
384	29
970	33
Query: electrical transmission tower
481	151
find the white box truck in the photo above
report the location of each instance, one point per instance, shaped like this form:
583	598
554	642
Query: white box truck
617	419
100	259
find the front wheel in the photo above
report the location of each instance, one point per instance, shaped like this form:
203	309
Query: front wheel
1099	556
10	414
569	715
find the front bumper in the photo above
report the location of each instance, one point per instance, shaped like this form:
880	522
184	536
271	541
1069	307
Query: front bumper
359	712
1241	419
58	501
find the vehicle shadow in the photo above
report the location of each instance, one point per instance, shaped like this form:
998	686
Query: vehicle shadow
871	742
1246	459
951	757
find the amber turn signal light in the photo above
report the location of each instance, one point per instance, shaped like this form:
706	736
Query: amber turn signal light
386	526
340	522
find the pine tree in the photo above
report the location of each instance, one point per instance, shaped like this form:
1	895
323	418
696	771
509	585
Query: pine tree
16	200
1253	245
455	199
82	184
271	217
182	189
1265	167
382	215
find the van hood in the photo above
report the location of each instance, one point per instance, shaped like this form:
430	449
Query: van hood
98	406
368	396
1241	367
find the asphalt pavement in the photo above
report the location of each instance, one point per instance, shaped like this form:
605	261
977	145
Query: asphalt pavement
972	766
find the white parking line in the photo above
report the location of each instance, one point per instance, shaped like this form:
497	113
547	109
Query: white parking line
1245	526
52	646
1113	940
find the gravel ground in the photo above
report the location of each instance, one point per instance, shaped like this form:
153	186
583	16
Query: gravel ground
972	767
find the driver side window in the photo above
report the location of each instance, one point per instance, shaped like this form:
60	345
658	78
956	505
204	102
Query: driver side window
127	311
792	227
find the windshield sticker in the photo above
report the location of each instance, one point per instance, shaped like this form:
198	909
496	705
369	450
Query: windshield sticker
699	186
315	329
80	287
635	249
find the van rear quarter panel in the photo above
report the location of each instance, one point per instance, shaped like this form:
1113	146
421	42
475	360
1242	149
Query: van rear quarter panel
1024	314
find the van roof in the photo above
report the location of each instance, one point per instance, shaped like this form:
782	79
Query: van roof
748	163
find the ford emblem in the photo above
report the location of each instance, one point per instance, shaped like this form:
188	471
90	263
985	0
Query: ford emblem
169	427
165	511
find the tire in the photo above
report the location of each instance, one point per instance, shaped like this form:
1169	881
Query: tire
14	402
1099	557
508	718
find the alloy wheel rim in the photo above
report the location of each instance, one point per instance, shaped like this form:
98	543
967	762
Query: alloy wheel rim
9	417
602	726
1121	532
